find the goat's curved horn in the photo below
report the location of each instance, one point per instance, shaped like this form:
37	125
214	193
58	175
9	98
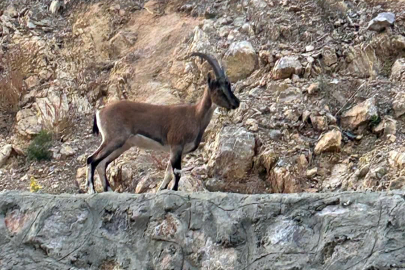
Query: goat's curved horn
219	72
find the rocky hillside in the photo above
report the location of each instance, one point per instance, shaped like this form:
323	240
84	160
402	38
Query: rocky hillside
321	84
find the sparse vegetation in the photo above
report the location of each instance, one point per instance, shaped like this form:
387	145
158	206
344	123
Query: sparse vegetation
375	120
34	186
39	147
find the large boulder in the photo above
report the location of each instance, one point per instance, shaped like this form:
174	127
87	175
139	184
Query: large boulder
382	21
362	61
28	123
286	66
201	41
330	141
233	153
360	114
240	60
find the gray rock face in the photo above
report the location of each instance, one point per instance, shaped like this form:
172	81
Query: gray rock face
382	21
175	230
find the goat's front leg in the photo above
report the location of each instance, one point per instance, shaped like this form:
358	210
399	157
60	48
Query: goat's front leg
175	161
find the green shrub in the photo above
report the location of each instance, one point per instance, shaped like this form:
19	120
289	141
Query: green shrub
39	147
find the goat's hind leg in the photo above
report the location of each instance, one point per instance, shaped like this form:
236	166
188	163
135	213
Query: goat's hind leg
103	152
91	168
102	166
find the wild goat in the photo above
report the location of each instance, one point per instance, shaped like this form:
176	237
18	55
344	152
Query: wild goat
177	129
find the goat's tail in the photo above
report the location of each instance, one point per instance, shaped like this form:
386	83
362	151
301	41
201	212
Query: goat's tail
95	127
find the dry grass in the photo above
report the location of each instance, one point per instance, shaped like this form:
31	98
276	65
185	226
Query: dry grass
12	85
55	115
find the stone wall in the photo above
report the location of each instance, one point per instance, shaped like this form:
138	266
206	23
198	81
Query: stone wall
175	230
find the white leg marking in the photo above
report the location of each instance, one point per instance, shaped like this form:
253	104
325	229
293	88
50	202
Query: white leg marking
101	132
89	184
168	177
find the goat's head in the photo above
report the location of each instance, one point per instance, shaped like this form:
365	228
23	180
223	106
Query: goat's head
220	87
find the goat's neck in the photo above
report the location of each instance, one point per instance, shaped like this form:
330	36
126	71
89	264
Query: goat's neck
205	108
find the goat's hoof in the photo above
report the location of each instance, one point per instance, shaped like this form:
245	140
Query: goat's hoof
91	191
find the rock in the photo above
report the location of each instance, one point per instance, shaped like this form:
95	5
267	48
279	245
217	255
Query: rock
360	114
145	184
397	159
399	104
312	172
188	183
266	160
398	183
121	43
329	56
18	150
309	48
233	153
380	172
283	181
67	151
247	28
398	41
362	172
275	134
329	141
319	123
11	11
240	60
362	61
398	70
302	162
314	87
81	104
383	20
32	81
200	41
253	124
286	66
27	123
31	25
5	153
337	177
81	178
212	227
